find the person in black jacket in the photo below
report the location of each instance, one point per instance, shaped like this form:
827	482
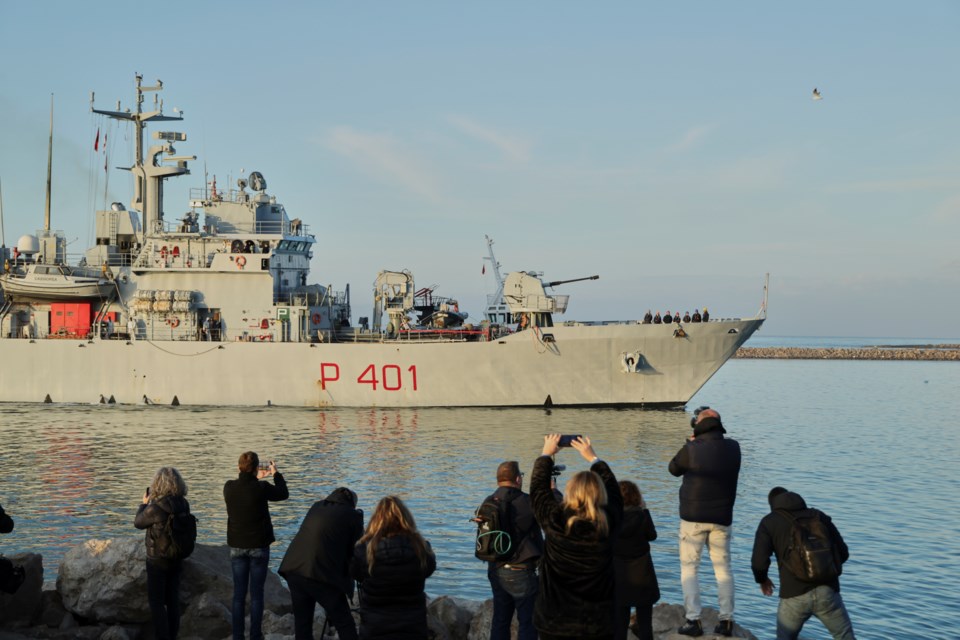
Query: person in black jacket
392	562
249	535
636	579
6	522
317	564
514	580
798	599
166	495
710	466
576	595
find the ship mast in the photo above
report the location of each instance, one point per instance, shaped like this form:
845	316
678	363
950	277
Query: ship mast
46	214
148	188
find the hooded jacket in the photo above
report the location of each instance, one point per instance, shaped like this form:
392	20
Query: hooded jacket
576	595
323	546
710	466
774	536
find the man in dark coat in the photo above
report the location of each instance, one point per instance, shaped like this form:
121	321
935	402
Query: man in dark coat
514	580
317	564
6	522
798	599
710	466
249	536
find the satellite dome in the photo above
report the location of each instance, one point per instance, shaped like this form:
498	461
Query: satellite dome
117	206
28	245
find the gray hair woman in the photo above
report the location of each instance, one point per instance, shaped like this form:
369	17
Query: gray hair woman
165	496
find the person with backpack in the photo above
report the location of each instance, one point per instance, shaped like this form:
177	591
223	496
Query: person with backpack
509	539
249	536
810	554
576	597
165	514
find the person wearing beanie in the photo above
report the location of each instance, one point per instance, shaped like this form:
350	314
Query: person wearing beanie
710	467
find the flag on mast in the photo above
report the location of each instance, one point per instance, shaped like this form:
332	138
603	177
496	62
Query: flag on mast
484	270
96	143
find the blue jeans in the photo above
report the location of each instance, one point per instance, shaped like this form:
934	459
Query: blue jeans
249	570
822	602
513	590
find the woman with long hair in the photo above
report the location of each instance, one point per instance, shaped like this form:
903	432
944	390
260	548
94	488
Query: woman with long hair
636	580
576	597
392	562
166	495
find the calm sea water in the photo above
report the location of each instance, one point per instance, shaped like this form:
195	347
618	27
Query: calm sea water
870	443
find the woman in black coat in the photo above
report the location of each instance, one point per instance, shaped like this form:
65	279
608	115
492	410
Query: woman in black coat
576	596
392	562
636	579
165	496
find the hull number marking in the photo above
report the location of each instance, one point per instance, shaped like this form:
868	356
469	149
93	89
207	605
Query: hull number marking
389	377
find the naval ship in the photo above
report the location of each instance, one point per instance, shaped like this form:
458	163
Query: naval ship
217	308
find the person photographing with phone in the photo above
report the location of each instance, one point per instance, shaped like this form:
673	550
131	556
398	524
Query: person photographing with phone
576	594
250	534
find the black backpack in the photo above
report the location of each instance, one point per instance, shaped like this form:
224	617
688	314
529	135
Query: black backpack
811	557
495	535
178	537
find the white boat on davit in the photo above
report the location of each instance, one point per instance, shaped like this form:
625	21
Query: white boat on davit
216	308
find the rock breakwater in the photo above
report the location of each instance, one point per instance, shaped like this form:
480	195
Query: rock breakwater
101	594
932	352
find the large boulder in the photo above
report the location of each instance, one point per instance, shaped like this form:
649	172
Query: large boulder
106	581
454	614
19	609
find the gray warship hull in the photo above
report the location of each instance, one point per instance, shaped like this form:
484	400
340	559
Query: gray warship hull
215	309
580	366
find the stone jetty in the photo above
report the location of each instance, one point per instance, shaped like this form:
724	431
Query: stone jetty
892	352
101	594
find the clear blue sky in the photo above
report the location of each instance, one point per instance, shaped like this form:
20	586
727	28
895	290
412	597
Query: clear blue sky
673	149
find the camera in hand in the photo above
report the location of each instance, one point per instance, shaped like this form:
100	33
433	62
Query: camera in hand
566	440
264	466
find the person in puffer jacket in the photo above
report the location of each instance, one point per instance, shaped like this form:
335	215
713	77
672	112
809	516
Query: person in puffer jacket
166	495
710	467
392	562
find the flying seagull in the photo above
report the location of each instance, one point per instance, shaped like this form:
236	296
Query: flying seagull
816	94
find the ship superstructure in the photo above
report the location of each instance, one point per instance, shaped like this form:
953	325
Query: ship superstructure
216	308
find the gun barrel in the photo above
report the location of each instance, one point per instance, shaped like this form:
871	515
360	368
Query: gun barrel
556	282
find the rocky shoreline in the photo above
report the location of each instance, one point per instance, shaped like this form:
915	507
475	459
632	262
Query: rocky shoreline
101	594
931	352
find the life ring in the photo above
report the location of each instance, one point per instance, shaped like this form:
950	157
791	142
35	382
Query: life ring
163	252
241	262
315	318
174	322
